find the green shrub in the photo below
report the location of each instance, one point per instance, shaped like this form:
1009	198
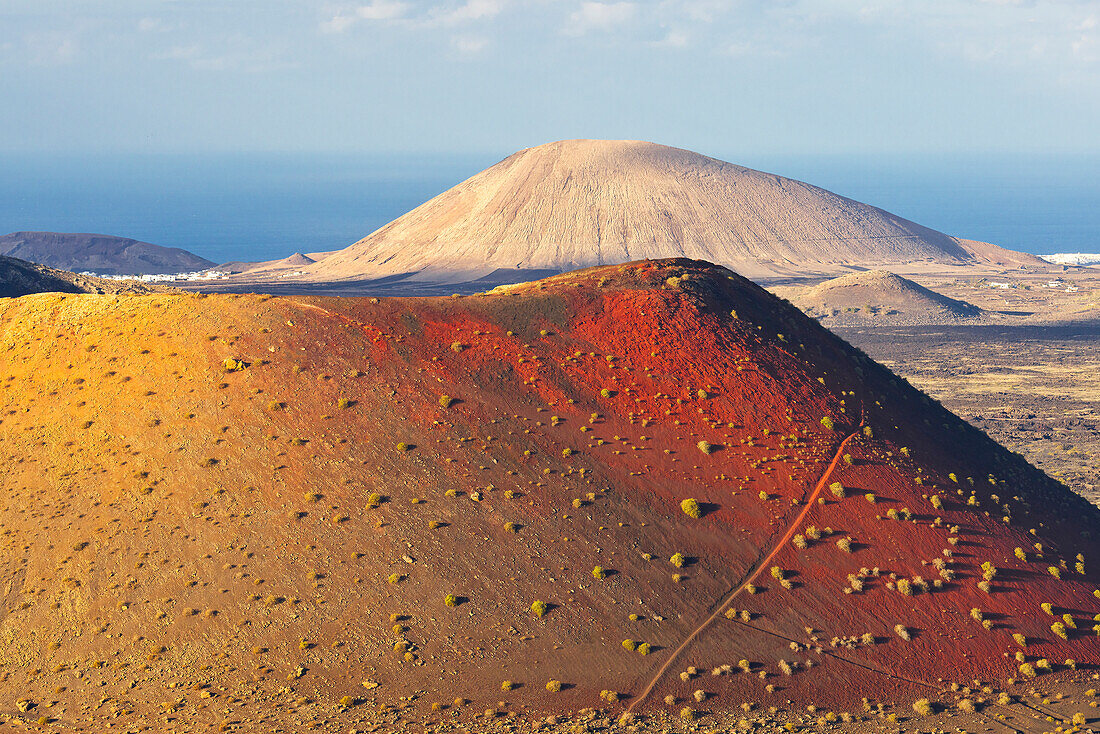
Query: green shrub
828	423
539	608
450	600
677	560
691	508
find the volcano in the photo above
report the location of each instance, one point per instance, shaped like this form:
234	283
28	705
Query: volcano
624	493
879	296
579	203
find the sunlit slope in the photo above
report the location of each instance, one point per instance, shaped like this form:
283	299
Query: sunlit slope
362	505
578	203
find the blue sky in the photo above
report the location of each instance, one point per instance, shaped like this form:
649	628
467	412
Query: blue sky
785	76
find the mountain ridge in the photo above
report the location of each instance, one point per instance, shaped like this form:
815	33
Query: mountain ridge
101	254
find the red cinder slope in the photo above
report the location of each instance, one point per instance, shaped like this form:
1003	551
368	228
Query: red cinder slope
348	522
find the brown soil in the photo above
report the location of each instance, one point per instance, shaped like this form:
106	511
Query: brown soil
289	514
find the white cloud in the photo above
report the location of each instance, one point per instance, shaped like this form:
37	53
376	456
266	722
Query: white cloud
673	39
1086	47
50	48
471	10
469	45
377	10
238	55
150	25
383	10
594	16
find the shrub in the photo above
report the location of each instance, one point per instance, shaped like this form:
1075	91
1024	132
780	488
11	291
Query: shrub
1047	607
687	714
1059	629
1020	639
677	560
799	542
445	401
870	497
553	686
630	645
691	508
644	648
902	632
1027	670
905	587
706	448
923	707
828	423
507	685
837	489
343	403
1054	571
598	572
457	347
450	600
538	608
845	544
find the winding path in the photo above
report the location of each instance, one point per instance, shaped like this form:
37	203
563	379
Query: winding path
751	574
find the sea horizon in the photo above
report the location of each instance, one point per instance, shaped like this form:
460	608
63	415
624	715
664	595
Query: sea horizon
262	206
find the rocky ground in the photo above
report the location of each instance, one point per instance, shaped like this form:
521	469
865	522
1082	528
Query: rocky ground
1033	389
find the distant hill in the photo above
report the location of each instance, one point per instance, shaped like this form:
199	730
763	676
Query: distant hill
878	296
97	253
650	488
577	203
21	278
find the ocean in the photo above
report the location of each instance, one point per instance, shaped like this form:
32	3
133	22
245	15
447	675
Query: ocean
264	206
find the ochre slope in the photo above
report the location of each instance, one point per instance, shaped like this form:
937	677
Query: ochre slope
878	295
577	203
253	547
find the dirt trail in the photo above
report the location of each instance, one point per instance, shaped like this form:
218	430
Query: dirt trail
753	572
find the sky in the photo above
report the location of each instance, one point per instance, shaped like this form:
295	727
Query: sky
457	76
